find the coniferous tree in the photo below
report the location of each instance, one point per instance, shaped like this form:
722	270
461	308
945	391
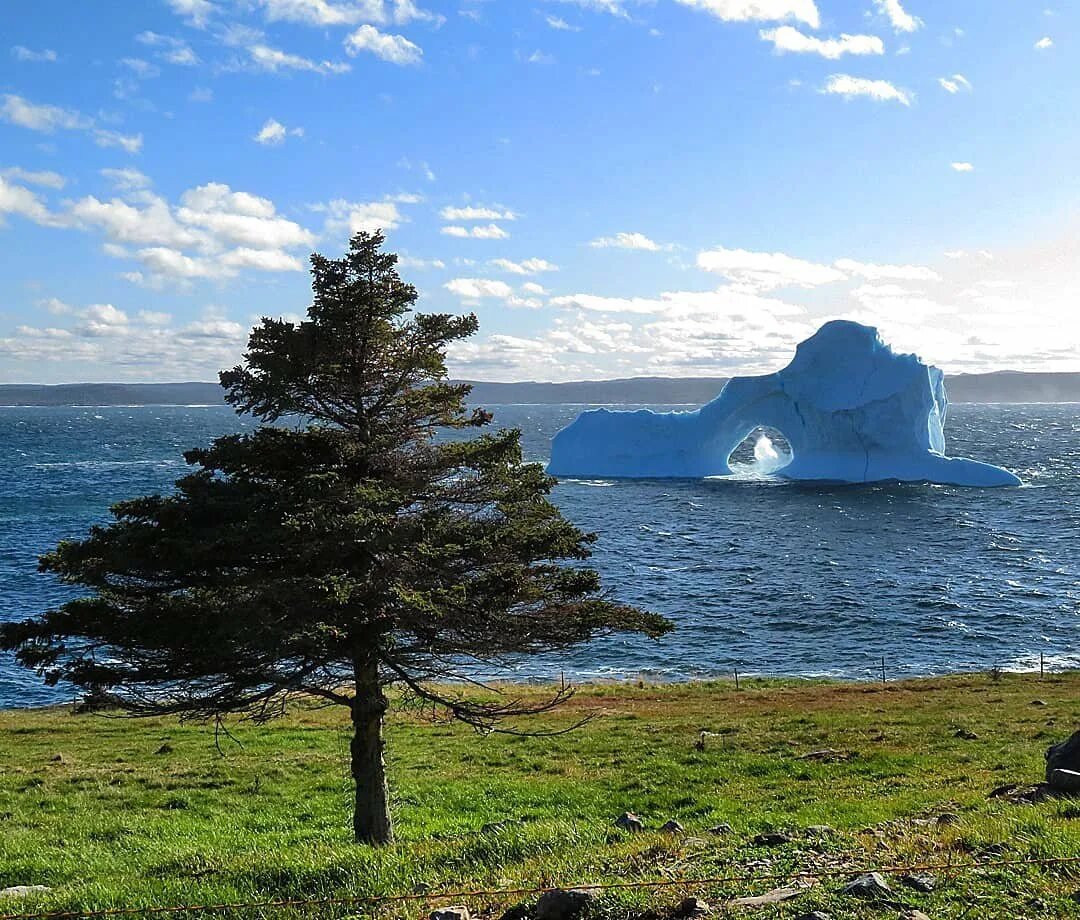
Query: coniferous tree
344	550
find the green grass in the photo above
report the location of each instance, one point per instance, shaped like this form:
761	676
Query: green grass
111	812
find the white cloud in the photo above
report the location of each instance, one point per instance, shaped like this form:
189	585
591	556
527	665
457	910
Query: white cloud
273	133
490	232
51	118
531	287
172	49
626	241
43	177
19	200
1043	43
126	179
804	11
560	24
963	167
525	267
406	261
763	271
143	69
272	60
901	20
788	38
476	213
955	84
880	90
873	272
45	55
330	13
349	217
476	288
196	12
395	49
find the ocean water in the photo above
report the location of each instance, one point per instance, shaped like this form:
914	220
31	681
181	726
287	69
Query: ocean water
761	575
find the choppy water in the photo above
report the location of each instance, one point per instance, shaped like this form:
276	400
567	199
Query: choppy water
766	576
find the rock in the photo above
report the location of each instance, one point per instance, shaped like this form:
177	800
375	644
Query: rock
22	891
563	905
1038	702
628	821
56	758
720	830
871	885
770	840
923	883
915	915
1066	781
450	913
672	827
820	830
1075	897
166	748
814	915
1004	792
517	912
966	734
947	819
692	907
1064	756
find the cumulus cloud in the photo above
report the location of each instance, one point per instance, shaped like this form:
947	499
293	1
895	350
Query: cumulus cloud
330	13
345	218
395	49
560	24
272	60
873	272
476	213
525	267
43	177
273	133
51	118
197	13
804	11
1043	43
489	232
962	167
899	18
763	271
879	90
790	39
171	49
477	288
626	241
21	201
44	56
955	84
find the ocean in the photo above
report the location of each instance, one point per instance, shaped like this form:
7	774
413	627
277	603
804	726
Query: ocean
759	575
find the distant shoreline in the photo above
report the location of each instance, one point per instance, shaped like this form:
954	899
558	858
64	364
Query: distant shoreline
1007	387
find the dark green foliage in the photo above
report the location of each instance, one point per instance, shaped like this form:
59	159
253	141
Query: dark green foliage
332	556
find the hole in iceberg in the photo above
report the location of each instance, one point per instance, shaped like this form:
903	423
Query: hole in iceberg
762	452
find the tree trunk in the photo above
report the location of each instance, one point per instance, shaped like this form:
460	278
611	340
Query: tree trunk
371	813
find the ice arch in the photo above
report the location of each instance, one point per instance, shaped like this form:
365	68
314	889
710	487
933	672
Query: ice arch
851	408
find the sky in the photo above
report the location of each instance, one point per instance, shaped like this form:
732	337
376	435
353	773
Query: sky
615	187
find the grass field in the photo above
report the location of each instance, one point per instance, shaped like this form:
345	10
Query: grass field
110	812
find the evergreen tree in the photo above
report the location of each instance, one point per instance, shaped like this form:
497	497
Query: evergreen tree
342	551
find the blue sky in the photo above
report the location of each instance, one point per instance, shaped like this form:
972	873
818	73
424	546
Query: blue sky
616	187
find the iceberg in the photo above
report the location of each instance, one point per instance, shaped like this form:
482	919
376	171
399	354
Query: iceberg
852	409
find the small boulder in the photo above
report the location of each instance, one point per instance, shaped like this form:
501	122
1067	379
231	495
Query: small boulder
57	758
563	905
1064	756
1038	702
915	915
871	885
947	819
672	827
166	748
628	821
814	915
22	891
923	883
721	830
820	830
1065	781
770	840
691	907
450	913
966	734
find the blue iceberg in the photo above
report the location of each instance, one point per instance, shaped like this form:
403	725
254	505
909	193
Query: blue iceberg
852	409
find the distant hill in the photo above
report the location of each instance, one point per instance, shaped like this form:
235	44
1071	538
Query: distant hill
1001	386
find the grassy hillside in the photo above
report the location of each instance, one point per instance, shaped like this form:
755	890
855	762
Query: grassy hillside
110	812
